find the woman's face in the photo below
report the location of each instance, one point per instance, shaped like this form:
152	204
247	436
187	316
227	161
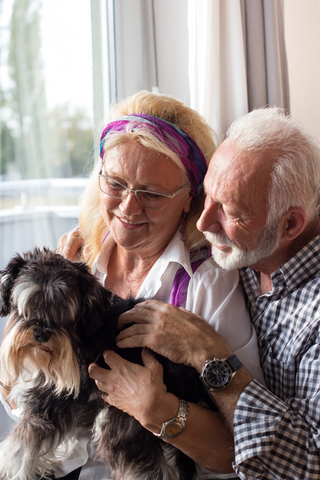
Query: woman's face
134	227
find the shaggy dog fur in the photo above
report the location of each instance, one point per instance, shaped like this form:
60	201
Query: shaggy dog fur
60	320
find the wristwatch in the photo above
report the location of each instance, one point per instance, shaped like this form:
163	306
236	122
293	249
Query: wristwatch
173	428
218	373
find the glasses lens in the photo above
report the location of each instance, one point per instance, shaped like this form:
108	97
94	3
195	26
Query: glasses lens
114	189
151	200
144	198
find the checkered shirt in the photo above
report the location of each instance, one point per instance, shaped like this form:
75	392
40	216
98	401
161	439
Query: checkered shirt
277	429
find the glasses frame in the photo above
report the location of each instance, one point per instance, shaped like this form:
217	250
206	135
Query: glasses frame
136	192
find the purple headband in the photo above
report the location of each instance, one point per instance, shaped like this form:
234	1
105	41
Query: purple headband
172	136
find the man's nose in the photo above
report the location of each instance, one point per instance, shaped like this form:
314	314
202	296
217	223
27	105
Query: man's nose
209	220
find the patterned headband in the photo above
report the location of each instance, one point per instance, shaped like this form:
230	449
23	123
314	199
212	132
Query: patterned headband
172	136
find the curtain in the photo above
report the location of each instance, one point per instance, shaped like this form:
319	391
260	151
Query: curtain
237	58
217	75
267	70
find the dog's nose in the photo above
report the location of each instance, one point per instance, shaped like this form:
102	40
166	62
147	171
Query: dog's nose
42	335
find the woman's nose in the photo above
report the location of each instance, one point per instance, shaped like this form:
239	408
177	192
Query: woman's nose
129	205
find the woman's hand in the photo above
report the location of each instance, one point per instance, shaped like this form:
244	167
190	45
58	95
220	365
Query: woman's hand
69	245
172	332
136	389
139	391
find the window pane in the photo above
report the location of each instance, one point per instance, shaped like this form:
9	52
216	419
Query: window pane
46	126
46	90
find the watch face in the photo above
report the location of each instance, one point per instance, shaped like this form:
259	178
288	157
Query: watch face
217	374
173	429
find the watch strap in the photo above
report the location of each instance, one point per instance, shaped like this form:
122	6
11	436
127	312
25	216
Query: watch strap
233	362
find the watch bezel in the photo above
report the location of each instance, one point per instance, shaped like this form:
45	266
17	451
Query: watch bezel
178	421
206	372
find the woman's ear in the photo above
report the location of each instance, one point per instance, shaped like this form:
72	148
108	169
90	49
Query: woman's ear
187	203
293	222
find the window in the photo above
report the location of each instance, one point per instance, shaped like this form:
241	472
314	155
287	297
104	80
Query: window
46	122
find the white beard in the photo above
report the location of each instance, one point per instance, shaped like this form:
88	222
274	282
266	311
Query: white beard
237	258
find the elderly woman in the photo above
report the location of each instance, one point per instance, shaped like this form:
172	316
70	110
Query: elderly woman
138	225
138	228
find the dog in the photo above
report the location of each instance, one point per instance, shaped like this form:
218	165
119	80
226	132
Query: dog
61	319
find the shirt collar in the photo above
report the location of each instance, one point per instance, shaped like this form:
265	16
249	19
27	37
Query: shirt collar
297	271
304	266
176	251
175	254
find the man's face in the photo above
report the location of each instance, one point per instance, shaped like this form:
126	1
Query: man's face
235	212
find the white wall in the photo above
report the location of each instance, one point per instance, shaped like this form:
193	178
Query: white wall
302	31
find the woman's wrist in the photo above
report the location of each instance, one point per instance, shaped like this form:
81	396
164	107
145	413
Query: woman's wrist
163	411
5	389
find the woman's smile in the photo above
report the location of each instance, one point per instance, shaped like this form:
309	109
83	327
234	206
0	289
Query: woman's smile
128	223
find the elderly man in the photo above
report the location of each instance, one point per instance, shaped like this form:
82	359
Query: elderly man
261	216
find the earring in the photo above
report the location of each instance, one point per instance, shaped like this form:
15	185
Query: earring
182	228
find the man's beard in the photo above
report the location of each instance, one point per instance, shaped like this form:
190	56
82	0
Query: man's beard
237	258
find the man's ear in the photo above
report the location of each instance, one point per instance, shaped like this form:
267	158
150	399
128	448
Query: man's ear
293	222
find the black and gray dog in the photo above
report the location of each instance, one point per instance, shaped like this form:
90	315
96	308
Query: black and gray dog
60	320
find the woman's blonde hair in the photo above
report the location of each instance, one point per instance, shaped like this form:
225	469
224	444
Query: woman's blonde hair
92	225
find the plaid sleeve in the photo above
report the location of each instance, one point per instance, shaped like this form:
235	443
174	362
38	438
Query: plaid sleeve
273	439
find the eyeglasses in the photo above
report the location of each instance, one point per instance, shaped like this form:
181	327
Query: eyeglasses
145	198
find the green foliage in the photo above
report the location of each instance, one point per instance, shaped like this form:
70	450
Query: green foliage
71	139
7	149
36	142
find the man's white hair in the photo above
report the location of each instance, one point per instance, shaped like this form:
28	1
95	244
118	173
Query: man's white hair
295	177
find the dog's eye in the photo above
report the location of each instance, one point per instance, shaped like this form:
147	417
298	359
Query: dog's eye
39	322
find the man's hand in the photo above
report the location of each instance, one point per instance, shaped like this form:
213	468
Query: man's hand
172	332
69	245
184	338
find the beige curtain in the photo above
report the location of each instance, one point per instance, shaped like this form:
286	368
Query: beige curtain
237	58
266	61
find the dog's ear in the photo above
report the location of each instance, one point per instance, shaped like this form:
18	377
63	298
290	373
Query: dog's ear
7	279
97	301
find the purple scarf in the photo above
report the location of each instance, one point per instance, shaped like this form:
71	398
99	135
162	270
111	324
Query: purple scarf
172	136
